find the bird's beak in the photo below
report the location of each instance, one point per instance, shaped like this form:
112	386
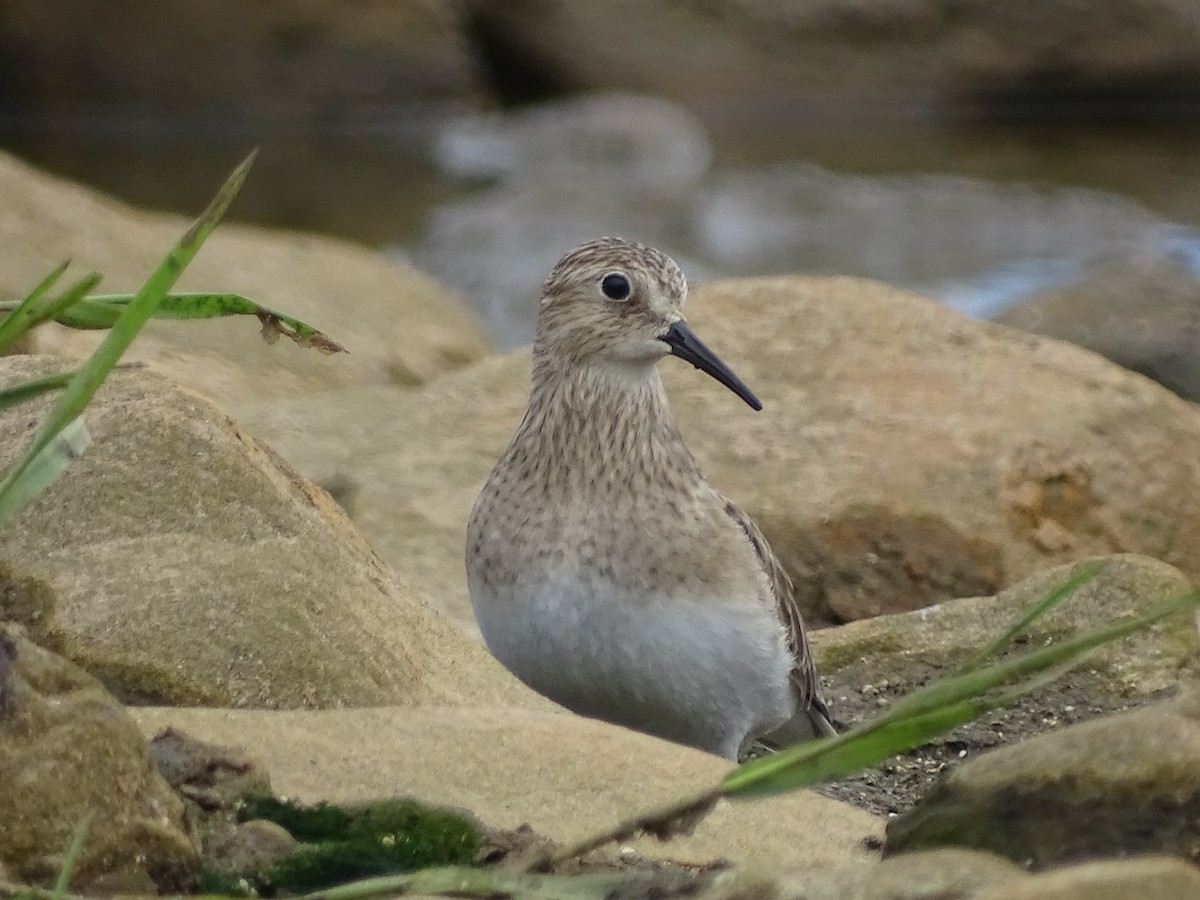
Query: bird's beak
684	344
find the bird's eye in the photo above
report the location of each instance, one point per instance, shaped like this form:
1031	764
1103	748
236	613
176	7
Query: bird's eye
615	286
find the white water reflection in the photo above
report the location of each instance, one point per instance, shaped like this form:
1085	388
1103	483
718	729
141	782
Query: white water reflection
973	244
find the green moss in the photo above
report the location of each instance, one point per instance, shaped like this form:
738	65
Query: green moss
214	882
834	658
342	843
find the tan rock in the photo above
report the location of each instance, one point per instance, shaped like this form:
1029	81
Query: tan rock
906	454
935	875
67	749
1119	785
967	875
400	326
1159	877
566	776
915	646
181	561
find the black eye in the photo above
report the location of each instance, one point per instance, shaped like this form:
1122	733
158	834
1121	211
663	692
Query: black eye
615	286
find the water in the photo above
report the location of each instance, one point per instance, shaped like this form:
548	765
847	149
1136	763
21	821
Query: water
824	197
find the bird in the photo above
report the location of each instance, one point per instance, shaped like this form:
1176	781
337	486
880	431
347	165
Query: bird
605	571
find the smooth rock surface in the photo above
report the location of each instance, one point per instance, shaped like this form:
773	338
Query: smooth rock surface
1126	879
933	875
1141	311
1123	784
399	325
930	640
68	749
906	454
967	875
564	775
182	562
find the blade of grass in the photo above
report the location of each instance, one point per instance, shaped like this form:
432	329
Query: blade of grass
44	468
1082	576
16	323
75	397
62	304
101	311
27	390
860	749
74	851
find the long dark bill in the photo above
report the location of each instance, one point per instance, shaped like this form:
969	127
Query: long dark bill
684	344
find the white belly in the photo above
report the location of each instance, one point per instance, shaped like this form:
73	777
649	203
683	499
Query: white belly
709	674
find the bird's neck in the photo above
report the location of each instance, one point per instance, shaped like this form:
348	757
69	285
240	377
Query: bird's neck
601	420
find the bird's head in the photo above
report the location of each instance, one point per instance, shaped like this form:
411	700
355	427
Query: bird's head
616	303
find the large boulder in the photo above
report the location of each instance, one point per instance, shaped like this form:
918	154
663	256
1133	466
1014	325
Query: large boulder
1121	785
566	776
400	326
963	875
282	59
70	753
935	875
906	455
182	562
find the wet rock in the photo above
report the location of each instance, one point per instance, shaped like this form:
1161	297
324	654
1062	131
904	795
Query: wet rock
188	564
399	325
66	750
1124	784
1141	311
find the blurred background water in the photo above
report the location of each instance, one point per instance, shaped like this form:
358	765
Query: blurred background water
1046	146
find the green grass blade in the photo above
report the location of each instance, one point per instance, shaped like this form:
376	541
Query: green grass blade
1082	576
77	394
101	311
27	390
932	710
17	321
74	851
62	304
46	465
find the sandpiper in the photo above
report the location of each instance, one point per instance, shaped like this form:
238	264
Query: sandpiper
605	571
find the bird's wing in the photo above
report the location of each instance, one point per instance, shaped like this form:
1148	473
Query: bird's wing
804	673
